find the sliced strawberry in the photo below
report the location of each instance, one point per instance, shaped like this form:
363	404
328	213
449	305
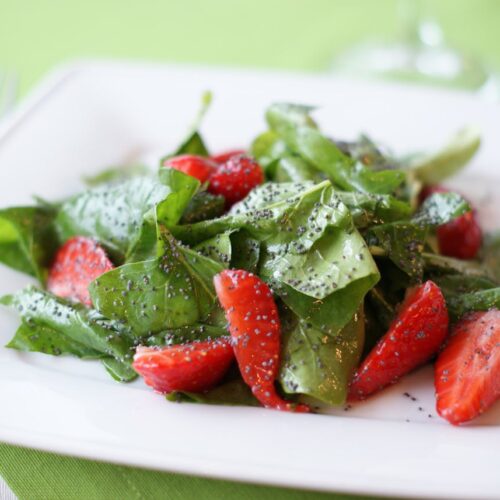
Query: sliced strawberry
78	262
236	178
461	237
195	166
412	339
194	367
467	372
223	157
255	329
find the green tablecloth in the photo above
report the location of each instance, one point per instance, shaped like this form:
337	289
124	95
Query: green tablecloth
292	34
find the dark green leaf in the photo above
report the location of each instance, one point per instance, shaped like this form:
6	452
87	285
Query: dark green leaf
320	365
41	338
334	311
481	300
245	251
442	264
367	152
73	323
217	248
122	372
111	214
28	239
185	334
192	145
458	284
293	124
170	291
181	188
232	393
295	169
466	293
370	209
491	256
268	147
203	206
403	242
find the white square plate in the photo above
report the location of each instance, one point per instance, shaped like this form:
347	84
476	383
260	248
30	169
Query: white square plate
92	114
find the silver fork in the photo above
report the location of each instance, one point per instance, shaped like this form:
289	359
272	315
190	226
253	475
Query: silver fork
8	91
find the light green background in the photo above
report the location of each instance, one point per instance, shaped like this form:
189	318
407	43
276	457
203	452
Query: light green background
296	34
290	34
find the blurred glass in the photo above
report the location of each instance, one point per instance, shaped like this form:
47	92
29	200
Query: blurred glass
420	55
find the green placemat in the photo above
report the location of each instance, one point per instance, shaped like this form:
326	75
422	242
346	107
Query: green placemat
37	475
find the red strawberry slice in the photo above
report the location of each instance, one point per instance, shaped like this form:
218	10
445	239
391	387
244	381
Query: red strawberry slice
195	166
467	372
236	178
461	237
77	263
255	329
413	338
193	367
223	157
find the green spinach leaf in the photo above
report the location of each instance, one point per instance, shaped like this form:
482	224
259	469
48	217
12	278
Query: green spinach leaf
181	189
111	214
293	124
185	334
491	256
170	291
217	248
320	365
434	168
42	338
122	372
481	300
267	148
70	328
203	206
404	241
28	239
232	393
439	209
245	252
